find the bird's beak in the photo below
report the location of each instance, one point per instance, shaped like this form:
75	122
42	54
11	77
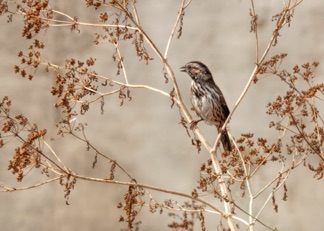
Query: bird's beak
183	69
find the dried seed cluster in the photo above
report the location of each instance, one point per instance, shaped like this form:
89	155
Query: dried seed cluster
29	152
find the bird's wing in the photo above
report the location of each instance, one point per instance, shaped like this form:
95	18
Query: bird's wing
225	109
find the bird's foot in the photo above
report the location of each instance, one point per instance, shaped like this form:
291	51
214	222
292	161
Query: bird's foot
194	123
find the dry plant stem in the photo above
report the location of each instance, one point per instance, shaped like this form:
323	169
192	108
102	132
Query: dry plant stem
303	136
248	175
270	152
61	13
271	194
173	30
135	11
283	180
213	150
259	62
192	210
84	139
294	165
247	86
256	35
67	23
318	132
296	125
56	67
187	4
56	156
22	140
247	181
227	205
121	61
152	188
183	108
128	86
197	131
281	23
12	189
59	23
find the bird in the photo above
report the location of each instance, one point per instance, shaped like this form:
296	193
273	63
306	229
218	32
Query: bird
207	99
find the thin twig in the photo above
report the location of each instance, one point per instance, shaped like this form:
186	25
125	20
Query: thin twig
173	30
56	156
256	34
152	188
135	11
121	61
187	4
12	189
280	24
247	181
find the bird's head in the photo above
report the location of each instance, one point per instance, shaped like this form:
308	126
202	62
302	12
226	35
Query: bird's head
197	71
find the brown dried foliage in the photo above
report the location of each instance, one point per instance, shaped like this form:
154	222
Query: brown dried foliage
133	203
29	153
299	123
187	221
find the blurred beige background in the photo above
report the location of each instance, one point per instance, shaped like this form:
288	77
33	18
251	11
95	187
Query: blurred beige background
144	134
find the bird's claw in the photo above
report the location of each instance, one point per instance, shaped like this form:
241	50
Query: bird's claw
193	124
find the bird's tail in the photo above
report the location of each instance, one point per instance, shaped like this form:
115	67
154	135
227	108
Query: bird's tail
226	141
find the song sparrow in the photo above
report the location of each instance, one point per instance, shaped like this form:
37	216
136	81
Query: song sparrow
207	99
